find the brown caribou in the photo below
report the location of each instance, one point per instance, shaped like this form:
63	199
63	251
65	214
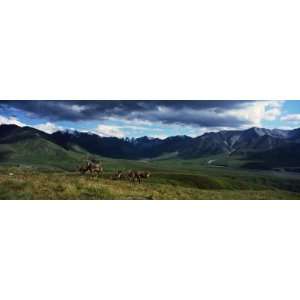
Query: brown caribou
92	167
138	175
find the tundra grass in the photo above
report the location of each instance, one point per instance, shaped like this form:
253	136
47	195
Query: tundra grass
20	183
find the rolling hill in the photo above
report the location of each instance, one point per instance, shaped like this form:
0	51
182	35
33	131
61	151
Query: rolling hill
30	146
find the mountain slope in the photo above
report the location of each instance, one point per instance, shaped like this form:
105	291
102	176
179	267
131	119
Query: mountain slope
287	156
32	146
237	142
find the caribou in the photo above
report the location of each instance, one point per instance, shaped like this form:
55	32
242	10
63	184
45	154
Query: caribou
95	168
92	167
138	175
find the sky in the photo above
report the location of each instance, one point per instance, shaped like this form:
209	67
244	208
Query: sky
155	118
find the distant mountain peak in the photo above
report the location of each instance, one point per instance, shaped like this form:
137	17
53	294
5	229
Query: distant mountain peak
258	130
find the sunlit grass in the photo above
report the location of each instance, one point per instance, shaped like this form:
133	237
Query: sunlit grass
18	183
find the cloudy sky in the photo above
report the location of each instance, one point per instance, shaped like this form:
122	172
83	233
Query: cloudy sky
151	118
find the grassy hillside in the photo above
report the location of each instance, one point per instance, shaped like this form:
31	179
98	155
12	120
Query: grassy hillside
167	182
38	151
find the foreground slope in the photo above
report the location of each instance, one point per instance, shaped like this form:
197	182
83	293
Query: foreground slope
18	183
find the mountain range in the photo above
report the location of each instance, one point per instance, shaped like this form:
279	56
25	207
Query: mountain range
29	145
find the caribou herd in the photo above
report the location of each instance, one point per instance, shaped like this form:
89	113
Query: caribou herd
94	167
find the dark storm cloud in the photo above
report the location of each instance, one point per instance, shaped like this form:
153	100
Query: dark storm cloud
201	113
